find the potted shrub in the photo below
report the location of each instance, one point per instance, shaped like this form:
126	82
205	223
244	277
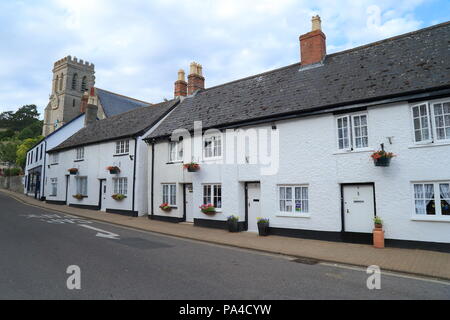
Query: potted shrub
378	233
263	227
208	209
118	197
78	196
233	223
165	207
382	158
113	169
192	166
73	171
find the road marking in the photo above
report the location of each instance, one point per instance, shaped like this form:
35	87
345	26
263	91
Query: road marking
102	233
389	273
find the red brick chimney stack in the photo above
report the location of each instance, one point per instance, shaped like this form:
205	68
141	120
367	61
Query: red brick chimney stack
196	80
181	85
313	47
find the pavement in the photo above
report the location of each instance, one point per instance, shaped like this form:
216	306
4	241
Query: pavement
411	261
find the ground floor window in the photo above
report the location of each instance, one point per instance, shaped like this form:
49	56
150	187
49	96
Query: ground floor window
432	198
212	194
170	194
82	186
53	187
293	199
121	186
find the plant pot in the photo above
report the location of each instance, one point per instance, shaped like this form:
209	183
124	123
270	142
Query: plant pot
209	212
233	226
382	162
190	169
167	209
263	229
378	238
114	171
378	226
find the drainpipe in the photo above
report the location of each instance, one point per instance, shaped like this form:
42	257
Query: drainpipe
45	162
153	178
134	173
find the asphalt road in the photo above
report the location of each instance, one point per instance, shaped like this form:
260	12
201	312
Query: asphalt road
37	247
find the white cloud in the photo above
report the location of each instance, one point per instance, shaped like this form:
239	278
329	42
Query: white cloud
138	46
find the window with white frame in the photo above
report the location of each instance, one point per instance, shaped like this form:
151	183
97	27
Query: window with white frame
293	199
431	122
213	146
80	153
169	194
120	186
175	151
53	187
212	194
352	132
122	147
432	199
81	183
54	158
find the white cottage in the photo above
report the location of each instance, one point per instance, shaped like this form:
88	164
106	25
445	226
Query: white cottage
104	165
38	161
307	133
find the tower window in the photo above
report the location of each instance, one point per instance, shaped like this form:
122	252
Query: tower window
56	83
74	81
73	103
84	84
61	82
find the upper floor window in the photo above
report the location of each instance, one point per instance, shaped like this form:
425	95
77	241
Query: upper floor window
431	122
432	199
293	199
213	146
175	151
54	158
84	84
80	153
212	194
74	81
122	147
352	132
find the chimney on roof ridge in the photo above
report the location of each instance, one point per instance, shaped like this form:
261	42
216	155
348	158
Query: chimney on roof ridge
196	80
313	44
181	85
91	109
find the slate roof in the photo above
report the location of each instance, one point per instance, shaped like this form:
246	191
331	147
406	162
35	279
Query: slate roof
128	124
415	62
114	104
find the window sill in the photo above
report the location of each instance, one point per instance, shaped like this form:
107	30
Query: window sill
432	219
292	215
121	155
212	159
79	160
430	145
175	162
362	150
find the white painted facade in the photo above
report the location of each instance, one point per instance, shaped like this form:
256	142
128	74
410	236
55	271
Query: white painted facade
309	157
97	157
38	159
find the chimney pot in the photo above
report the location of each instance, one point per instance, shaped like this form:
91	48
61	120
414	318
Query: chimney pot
181	85
196	81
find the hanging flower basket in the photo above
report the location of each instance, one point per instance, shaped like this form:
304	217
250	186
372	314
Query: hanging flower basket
165	207
382	158
73	171
192	166
118	197
208	209
78	196
113	169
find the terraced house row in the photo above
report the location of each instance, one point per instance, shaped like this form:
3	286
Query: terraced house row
297	145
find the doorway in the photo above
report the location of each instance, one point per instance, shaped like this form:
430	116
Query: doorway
189	202
253	205
102	200
358	207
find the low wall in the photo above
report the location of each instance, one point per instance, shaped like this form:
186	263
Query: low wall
15	183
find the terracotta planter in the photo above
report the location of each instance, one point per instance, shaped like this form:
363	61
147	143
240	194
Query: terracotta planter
378	238
166	209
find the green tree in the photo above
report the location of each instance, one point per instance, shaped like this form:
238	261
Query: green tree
8	152
22	118
22	149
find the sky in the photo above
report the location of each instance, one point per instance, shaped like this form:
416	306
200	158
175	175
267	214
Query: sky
138	46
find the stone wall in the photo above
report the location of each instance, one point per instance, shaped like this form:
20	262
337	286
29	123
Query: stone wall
15	183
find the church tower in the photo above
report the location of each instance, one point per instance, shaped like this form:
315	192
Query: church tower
71	78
